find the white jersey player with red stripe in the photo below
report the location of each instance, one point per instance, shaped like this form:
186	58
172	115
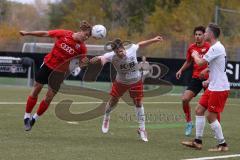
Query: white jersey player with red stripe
128	78
126	67
214	98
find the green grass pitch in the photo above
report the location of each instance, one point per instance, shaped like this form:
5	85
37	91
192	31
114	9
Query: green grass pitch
54	139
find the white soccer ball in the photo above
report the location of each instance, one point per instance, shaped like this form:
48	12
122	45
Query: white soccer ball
99	31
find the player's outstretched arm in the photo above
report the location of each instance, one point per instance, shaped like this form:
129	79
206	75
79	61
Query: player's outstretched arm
84	62
95	60
150	41
34	33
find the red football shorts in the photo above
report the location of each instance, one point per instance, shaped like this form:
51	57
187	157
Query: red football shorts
135	90
214	101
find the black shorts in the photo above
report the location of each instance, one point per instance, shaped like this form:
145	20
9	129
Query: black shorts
195	85
48	76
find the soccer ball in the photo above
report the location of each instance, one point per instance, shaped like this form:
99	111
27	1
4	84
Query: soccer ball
99	31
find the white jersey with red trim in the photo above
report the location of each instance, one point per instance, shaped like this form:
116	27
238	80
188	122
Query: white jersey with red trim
216	57
126	67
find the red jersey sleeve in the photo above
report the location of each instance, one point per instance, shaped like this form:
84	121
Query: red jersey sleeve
57	33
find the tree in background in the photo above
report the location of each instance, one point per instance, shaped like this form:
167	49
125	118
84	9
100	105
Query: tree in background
127	19
17	16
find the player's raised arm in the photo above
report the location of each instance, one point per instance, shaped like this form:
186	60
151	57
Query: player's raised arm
150	41
34	33
107	57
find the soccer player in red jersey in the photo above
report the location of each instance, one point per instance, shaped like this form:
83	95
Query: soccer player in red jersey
198	76
128	78
68	45
214	98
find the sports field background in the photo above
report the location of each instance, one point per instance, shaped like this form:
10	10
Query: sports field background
52	138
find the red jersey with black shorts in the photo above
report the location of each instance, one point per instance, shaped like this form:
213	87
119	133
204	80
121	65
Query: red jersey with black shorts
215	97
64	50
195	84
128	75
57	61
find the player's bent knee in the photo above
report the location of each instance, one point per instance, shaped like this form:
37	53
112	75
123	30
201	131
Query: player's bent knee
185	100
49	96
200	110
36	90
48	100
212	116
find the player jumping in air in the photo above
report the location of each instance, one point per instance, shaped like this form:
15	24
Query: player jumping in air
128	79
198	76
67	46
214	98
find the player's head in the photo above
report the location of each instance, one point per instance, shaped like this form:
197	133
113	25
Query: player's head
84	32
212	32
118	48
198	33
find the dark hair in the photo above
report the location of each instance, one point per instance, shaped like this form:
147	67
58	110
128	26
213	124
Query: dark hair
215	29
116	43
85	26
199	28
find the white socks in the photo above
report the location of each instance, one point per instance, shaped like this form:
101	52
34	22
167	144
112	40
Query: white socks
216	127
200	124
35	116
140	117
27	115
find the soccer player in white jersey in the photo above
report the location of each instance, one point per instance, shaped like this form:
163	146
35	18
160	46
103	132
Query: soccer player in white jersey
128	78
214	98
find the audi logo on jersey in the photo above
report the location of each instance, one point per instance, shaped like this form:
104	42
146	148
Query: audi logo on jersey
67	48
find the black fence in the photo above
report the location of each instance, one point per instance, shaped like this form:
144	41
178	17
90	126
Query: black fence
14	64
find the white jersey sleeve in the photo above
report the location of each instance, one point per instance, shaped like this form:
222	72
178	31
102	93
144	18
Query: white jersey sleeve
135	47
107	57
213	53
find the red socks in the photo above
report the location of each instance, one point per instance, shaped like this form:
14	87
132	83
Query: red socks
42	108
187	111
31	102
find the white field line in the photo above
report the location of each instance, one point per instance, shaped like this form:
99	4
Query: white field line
99	102
216	157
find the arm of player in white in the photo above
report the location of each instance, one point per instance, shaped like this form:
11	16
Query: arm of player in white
35	33
150	41
107	57
212	54
96	60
